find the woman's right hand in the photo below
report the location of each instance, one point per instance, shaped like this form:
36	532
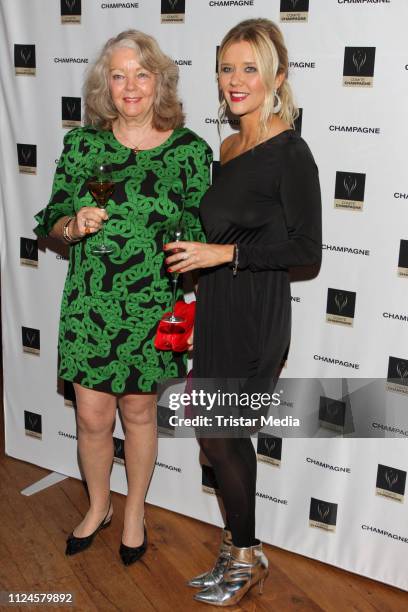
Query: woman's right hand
88	220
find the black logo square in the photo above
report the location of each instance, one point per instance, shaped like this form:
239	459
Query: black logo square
269	449
358	67
217	50
341	305
349	190
118	450
391	482
322	514
31	340
208	479
71	111
403	258
24	59
397	375
27	158
29	251
298	122
332	413
172	11
359	61
294	10
70	7
32	424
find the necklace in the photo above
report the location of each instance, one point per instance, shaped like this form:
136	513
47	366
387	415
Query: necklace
135	148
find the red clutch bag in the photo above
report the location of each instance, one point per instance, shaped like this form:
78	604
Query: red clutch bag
174	336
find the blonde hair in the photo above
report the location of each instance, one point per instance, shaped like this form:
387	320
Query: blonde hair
271	57
99	108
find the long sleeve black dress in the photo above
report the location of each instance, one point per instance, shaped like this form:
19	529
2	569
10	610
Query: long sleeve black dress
268	201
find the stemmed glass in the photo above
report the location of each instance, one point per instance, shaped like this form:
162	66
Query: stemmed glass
174	233
101	186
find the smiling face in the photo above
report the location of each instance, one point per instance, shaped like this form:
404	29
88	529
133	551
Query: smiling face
240	81
132	87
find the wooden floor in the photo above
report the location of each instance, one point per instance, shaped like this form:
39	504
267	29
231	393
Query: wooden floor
32	536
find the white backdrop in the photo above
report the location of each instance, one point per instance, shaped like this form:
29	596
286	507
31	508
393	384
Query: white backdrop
340	501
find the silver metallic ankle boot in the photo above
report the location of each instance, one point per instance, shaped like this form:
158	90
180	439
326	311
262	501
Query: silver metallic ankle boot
214	575
246	567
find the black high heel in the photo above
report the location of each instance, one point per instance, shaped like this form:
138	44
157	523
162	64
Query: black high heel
131	554
76	545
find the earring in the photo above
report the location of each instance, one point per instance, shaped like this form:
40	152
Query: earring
277	102
222	109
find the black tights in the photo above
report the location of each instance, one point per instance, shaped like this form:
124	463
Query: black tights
234	464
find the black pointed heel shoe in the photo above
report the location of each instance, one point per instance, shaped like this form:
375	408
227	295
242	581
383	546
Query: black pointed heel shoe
131	554
76	545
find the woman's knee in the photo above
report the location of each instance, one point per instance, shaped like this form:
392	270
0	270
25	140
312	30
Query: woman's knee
94	421
138	410
95	411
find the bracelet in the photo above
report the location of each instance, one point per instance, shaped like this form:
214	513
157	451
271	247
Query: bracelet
235	260
65	234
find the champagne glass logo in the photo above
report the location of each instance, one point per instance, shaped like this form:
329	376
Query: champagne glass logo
332	410
359	59
30	337
25	154
391	478
25	55
350	184
269	445
341	301
32	421
29	248
402	370
71	106
323	511
294	3
70	4
173	4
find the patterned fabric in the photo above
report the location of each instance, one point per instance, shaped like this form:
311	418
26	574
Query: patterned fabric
111	304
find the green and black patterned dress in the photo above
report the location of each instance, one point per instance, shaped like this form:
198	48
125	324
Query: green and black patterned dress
111	304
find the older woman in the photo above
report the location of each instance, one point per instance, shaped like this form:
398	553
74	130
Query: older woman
112	303
261	216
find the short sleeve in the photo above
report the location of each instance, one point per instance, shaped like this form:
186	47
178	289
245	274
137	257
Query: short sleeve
198	181
63	188
299	191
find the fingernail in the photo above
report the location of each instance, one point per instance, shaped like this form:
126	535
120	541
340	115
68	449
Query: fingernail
170	269
164	248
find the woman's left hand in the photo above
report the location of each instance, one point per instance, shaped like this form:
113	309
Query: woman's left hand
197	255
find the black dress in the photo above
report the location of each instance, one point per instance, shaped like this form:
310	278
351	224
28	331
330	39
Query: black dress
267	200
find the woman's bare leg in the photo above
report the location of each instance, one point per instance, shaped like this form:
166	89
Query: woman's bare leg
96	412
140	422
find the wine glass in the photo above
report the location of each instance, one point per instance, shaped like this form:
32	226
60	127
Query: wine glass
173	233
101	186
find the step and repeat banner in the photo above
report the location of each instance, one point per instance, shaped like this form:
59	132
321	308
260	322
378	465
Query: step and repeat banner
338	500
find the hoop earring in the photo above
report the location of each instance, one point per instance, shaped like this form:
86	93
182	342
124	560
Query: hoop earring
277	102
222	108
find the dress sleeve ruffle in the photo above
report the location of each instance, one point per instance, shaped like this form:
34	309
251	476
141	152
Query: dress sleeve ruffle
61	200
